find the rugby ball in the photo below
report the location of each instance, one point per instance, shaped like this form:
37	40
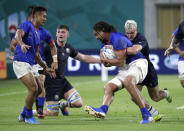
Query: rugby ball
108	53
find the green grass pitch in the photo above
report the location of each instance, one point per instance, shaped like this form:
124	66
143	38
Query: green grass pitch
123	114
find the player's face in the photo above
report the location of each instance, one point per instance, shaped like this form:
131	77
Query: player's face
62	35
131	34
41	17
100	35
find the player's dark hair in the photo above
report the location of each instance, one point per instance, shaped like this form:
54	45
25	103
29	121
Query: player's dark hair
30	10
63	27
39	9
104	26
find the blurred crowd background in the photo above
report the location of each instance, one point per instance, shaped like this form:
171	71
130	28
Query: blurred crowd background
157	20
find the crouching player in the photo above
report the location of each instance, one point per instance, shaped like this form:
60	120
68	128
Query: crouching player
59	87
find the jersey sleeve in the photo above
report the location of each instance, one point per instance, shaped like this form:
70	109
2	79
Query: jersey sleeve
120	44
25	27
73	52
102	45
142	41
49	37
180	33
175	32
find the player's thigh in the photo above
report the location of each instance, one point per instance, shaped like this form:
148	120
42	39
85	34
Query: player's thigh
153	92
29	81
73	97
138	69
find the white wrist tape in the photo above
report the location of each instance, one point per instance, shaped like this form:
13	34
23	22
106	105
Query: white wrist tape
54	57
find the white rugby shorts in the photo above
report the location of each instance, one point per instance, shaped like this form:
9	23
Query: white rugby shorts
137	68
181	70
23	68
37	67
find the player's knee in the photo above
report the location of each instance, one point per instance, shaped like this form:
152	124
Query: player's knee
39	91
77	103
110	88
33	87
33	90
182	83
52	110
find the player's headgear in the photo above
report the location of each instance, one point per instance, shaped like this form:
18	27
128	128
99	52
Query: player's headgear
104	26
130	25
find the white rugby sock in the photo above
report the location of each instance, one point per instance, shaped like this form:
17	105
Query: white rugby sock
153	111
167	93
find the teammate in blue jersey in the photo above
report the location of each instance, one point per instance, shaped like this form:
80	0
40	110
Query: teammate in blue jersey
26	56
45	37
151	81
132	70
177	44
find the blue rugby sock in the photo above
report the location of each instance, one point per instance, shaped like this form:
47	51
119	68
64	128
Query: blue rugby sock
144	112
24	112
29	113
40	101
104	108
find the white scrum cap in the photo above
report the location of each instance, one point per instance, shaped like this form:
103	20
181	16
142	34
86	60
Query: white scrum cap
130	25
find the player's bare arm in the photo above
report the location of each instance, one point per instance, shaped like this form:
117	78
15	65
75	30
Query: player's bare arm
18	38
179	51
38	59
87	58
119	60
53	50
134	49
13	45
170	48
12	48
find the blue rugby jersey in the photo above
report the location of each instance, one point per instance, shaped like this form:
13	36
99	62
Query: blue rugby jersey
181	45
180	33
121	42
45	36
30	38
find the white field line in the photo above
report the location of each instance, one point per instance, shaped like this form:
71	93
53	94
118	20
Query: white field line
13	93
75	84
